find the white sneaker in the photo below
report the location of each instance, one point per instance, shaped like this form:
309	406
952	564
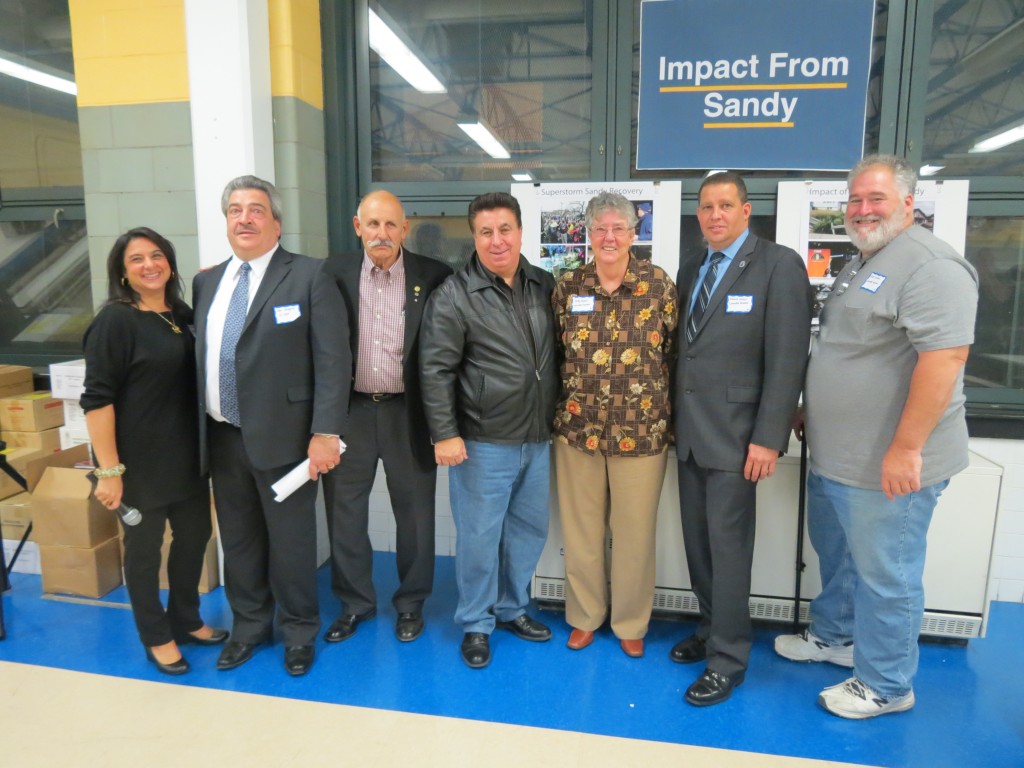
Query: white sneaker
854	700
807	647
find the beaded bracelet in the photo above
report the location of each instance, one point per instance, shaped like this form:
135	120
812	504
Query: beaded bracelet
116	471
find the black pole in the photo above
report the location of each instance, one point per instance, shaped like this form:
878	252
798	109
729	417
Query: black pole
801	504
5	582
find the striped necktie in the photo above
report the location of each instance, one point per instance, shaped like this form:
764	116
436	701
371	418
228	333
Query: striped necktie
233	323
703	296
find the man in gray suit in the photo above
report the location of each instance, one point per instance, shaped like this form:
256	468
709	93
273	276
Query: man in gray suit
741	351
274	369
385	288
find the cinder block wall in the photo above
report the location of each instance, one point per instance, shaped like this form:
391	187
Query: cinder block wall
131	66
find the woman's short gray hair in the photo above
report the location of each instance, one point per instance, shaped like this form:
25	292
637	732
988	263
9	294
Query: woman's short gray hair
610	201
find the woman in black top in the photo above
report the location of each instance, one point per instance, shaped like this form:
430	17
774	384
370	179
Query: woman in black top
142	414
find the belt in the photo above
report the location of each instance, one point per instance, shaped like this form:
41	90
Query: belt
377	397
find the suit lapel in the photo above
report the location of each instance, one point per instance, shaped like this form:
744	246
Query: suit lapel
280	265
210	281
414	301
739	263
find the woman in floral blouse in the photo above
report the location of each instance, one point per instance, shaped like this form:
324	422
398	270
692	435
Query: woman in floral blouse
616	317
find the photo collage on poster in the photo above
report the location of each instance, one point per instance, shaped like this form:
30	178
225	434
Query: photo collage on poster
559	211
812	221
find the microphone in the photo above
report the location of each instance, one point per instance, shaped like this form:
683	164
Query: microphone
129	515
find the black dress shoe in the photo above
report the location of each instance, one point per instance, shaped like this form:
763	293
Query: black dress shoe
179	667
712	688
298	659
409	626
219	636
345	627
476	649
689	650
526	628
235	654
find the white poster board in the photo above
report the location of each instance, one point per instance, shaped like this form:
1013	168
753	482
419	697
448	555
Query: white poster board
555	236
811	220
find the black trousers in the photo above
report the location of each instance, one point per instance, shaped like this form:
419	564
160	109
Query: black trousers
190	529
718	515
380	432
269	546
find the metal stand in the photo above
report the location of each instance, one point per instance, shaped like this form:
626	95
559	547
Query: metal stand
5	570
801	506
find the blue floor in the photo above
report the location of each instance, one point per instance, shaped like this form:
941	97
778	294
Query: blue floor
970	707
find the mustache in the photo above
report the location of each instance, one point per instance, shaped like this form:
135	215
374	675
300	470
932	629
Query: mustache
244	228
865	219
382	242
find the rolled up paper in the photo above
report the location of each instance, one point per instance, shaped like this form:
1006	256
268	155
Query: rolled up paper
291	482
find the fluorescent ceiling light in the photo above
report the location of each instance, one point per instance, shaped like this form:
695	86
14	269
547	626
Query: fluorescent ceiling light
37	76
1000	140
522	177
399	55
488	142
931	170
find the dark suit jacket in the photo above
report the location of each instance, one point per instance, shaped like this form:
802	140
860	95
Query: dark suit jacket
422	276
293	377
740	380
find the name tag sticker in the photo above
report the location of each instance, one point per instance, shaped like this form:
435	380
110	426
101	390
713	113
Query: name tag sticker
874	282
287	313
582	303
738	303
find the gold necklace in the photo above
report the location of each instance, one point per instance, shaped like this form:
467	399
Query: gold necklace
174	325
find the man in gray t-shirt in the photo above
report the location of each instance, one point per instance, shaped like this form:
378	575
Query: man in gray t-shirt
885	425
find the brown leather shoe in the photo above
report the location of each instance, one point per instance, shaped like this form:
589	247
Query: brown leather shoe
580	639
634	648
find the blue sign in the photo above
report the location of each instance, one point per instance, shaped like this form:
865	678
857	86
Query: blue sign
753	84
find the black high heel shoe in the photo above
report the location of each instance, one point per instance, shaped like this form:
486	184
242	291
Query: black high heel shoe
179	667
217	637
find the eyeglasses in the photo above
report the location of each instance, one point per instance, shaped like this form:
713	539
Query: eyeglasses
618	231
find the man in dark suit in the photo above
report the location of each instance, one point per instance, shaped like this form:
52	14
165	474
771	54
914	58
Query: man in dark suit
274	369
741	351
385	289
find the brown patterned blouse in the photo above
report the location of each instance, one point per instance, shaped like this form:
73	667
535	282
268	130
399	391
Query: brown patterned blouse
615	376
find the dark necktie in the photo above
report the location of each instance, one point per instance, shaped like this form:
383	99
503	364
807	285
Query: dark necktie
233	323
703	296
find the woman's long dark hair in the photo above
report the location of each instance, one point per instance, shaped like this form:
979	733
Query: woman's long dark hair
117	291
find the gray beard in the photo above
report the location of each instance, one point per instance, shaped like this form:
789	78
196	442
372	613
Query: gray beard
884	234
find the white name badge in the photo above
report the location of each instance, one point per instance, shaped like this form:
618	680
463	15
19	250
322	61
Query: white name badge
582	303
739	303
873	282
287	313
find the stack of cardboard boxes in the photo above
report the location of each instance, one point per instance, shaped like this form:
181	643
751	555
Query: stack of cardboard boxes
77	536
67	381
22	446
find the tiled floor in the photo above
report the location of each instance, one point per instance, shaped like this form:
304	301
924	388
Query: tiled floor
372	700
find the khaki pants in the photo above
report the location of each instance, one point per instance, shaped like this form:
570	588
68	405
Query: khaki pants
622	493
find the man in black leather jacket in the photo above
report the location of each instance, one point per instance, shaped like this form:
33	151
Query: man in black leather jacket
489	377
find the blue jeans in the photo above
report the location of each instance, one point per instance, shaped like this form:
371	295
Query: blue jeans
499	501
871	553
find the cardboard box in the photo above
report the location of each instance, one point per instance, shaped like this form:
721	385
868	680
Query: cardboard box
89	572
47	441
15	516
78	456
18	459
28	558
65	513
74	416
72	436
32	412
15	380
67	380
